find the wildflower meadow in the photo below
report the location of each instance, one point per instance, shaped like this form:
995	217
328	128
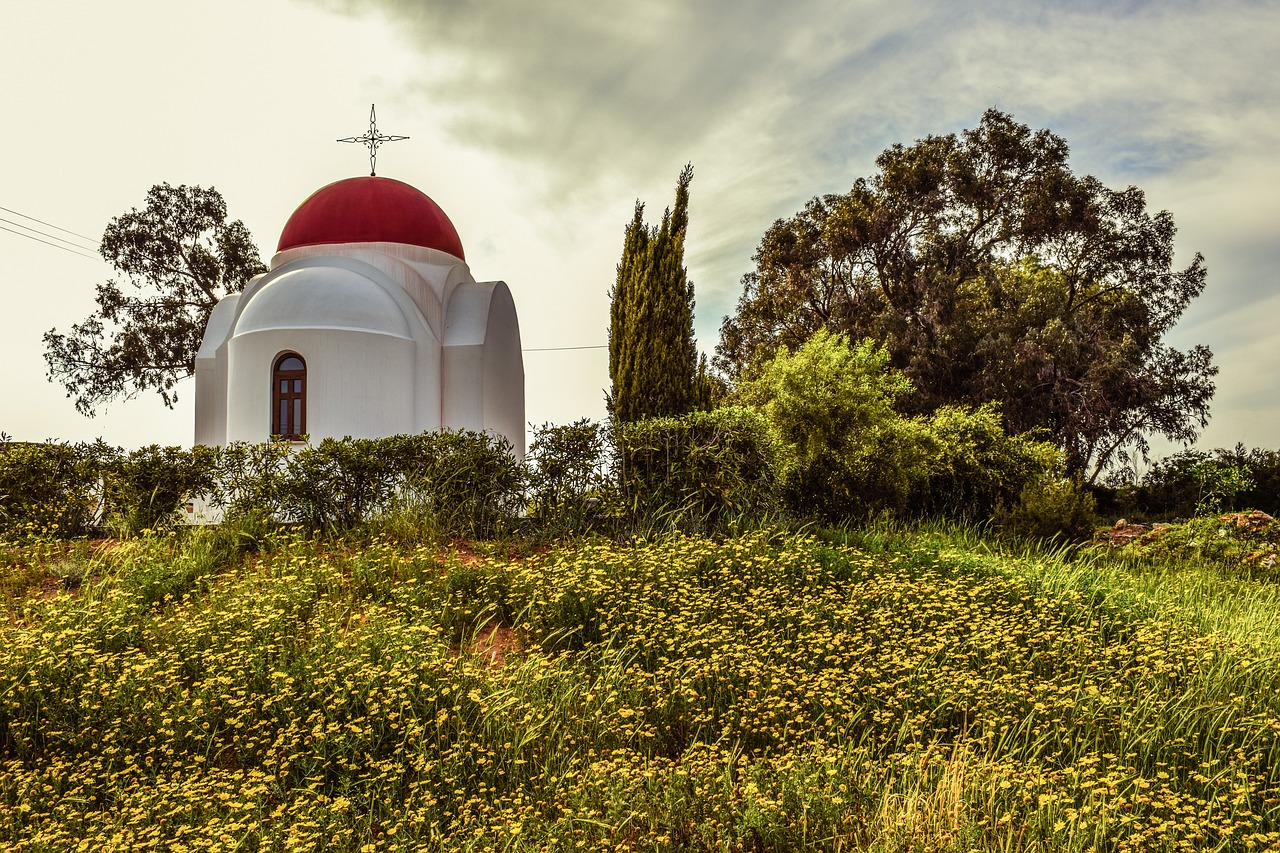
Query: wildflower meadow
765	691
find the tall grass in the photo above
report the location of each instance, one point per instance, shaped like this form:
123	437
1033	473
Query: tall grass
886	691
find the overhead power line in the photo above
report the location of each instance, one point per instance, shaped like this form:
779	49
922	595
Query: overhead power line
45	234
48	243
76	249
93	243
61	242
560	349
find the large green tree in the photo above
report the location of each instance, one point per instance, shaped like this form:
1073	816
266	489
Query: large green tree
993	273
653	359
176	257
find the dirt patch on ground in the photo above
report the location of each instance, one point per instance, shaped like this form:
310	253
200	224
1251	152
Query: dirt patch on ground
51	587
465	554
494	642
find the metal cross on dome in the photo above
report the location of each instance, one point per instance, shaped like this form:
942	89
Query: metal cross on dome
373	138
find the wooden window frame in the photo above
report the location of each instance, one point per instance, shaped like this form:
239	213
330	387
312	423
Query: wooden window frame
293	396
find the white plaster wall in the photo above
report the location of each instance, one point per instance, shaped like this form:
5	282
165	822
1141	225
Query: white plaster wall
220	321
504	370
483	369
211	374
359	384
462	357
324	309
211	404
363	340
335	293
343	294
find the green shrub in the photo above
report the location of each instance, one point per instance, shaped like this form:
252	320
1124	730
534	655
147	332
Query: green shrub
1219	486
430	485
697	472
145	489
570	482
459	483
443	484
51	490
974	467
340	483
845	452
251	480
1049	510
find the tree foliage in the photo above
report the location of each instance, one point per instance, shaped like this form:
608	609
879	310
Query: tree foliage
176	258
846	452
992	273
653	360
1199	482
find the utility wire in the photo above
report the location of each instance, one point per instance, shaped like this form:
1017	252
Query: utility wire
602	346
47	243
51	225
44	234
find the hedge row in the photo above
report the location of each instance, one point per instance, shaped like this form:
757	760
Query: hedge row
701	472
697	472
62	490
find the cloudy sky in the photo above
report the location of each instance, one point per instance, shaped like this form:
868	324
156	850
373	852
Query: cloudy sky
536	126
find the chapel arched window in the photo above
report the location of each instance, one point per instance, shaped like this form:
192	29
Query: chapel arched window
289	397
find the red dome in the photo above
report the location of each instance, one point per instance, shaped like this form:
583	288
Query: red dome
370	210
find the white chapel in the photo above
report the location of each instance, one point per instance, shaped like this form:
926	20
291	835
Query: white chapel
369	323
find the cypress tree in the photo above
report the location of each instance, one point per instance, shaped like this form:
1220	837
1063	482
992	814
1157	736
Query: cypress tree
653	360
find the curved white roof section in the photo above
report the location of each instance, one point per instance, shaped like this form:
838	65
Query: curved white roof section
322	297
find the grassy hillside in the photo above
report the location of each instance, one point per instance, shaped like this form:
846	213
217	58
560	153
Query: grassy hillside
771	691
